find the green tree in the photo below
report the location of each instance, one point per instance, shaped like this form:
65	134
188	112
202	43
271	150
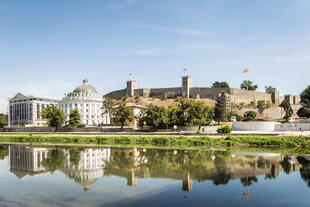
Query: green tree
189	112
141	120
270	89
287	108
249	115
304	112
75	118
3	120
107	104
248	85
218	84
55	116
305	97
156	116
220	109
122	113
262	105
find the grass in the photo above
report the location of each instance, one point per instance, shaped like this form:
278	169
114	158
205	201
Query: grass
252	143
224	140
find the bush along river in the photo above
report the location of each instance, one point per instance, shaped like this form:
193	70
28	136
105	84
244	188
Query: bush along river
44	175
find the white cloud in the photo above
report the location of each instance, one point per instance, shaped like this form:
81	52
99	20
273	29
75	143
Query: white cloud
163	29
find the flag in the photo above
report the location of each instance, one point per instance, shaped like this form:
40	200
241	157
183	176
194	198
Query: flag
130	74
246	70
184	70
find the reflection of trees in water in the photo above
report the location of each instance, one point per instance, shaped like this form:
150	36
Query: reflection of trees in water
4	151
55	160
75	156
248	181
286	165
272	174
305	170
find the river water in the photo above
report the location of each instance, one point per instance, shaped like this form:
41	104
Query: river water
45	176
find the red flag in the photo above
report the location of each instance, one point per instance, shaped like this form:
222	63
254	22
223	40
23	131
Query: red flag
246	70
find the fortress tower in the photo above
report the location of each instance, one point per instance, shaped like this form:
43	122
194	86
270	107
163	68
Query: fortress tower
186	85
130	89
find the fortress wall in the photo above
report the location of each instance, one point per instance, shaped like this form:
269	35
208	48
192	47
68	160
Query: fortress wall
210	93
159	92
116	94
239	96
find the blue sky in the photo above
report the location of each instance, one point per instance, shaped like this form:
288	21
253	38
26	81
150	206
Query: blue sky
47	47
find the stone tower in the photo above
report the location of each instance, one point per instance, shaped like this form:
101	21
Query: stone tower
186	85
275	97
131	87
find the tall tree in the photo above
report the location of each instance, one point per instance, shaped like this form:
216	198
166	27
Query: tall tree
270	89
122	113
189	112
287	108
55	116
305	97
304	111
218	84
108	104
3	120
261	105
156	116
220	109
248	85
75	118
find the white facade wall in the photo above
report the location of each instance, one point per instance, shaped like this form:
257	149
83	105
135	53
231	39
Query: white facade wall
89	105
25	110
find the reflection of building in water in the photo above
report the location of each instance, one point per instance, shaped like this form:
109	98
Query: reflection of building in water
26	161
90	166
134	160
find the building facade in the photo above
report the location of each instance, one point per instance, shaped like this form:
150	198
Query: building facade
89	102
25	110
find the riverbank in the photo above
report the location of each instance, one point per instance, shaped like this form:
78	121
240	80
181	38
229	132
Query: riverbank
161	140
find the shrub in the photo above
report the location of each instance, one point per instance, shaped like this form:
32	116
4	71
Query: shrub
304	112
238	117
224	129
249	115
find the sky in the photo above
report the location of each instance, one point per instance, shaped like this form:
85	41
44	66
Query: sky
47	47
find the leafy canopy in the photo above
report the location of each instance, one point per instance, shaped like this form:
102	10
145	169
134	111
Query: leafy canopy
218	84
248	85
55	116
75	118
270	89
220	109
287	108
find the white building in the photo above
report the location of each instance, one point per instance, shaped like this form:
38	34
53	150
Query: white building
25	110
89	102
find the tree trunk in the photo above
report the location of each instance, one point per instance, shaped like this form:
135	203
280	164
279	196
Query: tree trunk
122	127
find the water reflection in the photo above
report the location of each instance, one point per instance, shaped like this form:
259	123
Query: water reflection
86	165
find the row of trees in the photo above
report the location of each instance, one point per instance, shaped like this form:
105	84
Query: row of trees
56	117
246	85
186	112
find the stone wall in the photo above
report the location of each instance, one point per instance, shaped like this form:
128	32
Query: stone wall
159	92
210	93
239	96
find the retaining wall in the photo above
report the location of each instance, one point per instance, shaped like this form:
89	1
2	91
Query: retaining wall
254	126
